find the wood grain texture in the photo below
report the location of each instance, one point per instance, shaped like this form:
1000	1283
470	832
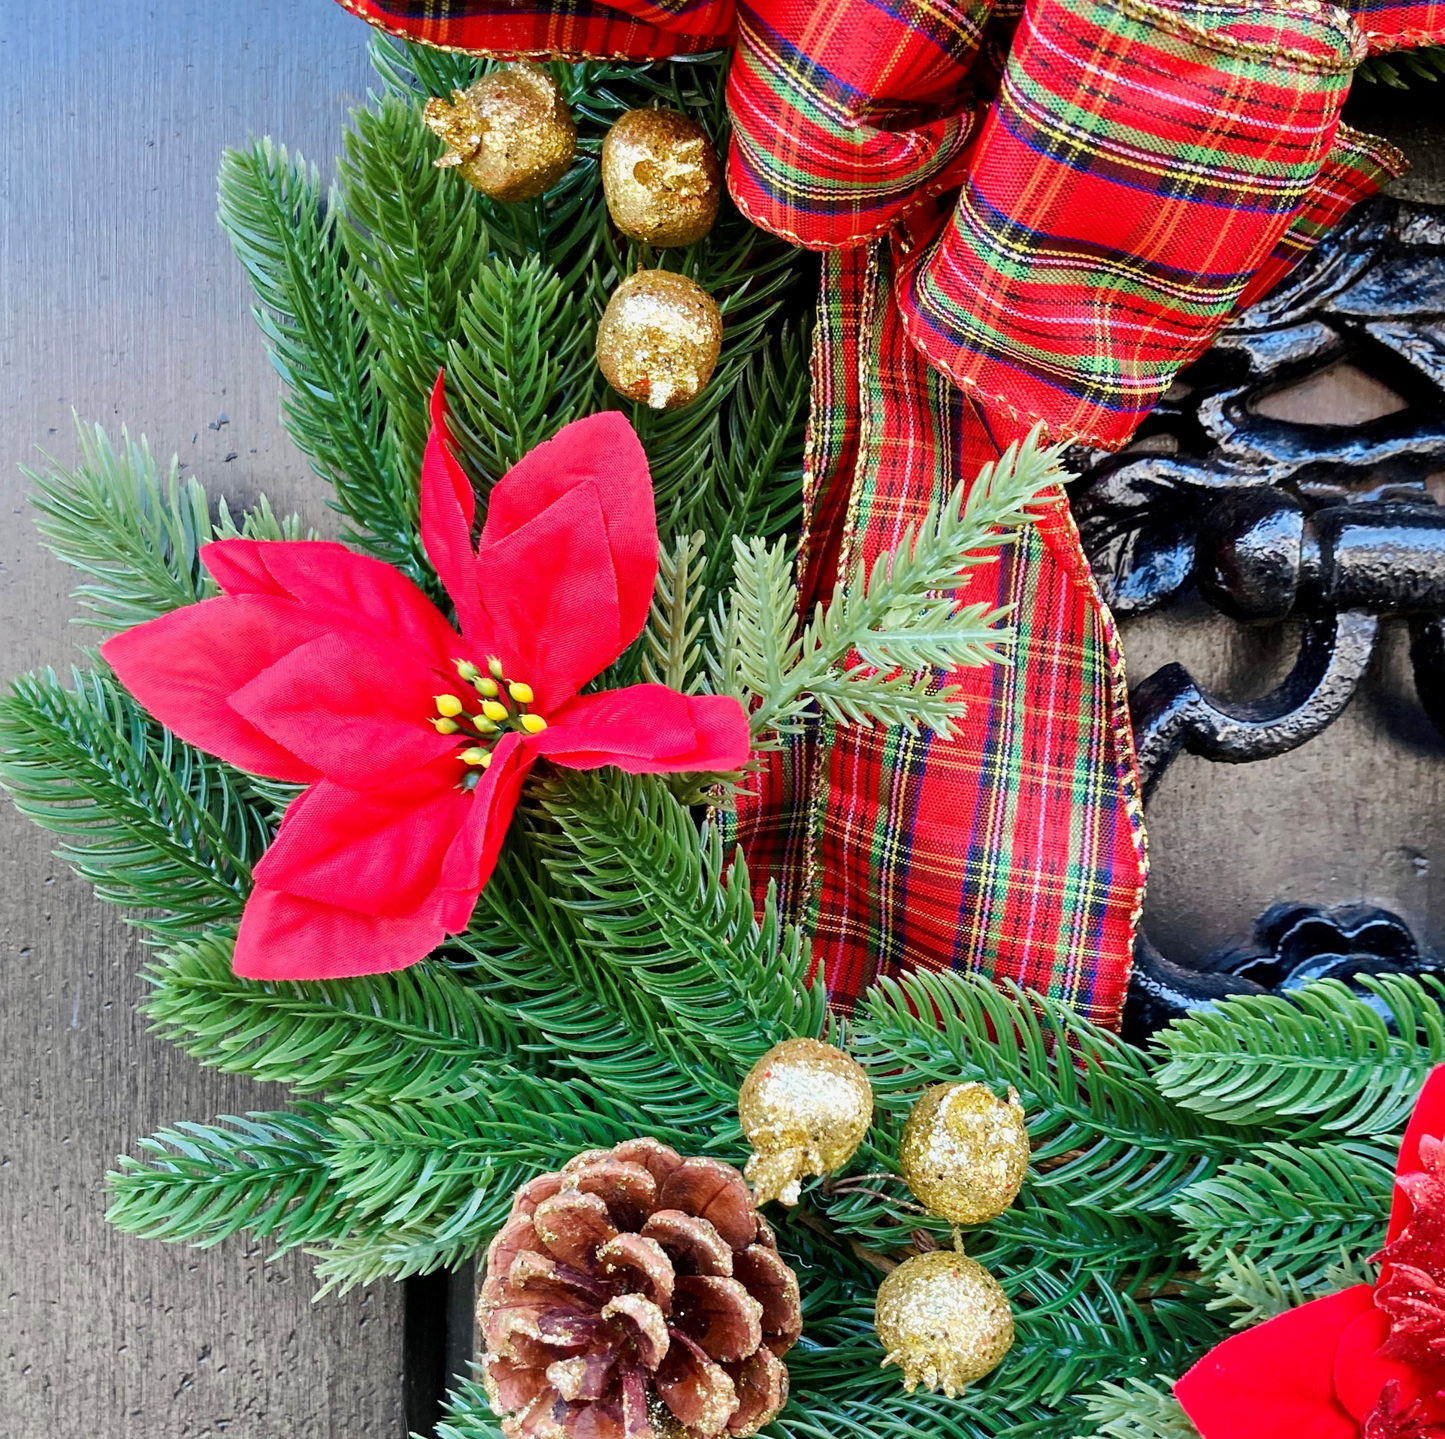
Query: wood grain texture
119	297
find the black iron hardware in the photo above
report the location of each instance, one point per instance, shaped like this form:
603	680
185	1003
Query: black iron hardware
1270	518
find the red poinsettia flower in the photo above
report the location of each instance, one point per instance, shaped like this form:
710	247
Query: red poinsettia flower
329	669
1365	1363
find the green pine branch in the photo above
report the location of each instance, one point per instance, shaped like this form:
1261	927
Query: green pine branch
402	1036
670	653
151	822
1290	1208
1426	63
521	364
1322	1055
1138	1409
871	654
418	239
660	904
1101	1131
136	536
266	1174
283	229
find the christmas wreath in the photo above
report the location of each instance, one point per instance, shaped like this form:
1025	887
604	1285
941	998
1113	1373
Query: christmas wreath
556	862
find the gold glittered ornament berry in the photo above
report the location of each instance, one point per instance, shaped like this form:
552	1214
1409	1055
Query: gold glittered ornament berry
509	135
943	1320
964	1152
659	339
661	177
805	1107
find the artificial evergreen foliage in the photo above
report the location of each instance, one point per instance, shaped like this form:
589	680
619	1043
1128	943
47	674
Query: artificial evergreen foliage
615	978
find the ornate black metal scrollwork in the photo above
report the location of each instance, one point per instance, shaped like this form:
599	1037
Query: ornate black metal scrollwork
1269	518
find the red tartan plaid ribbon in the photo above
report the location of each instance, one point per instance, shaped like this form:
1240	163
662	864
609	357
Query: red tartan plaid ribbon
1016	847
1137	168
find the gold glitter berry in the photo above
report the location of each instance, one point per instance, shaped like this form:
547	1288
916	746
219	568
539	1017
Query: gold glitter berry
509	135
805	1107
661	177
944	1320
659	339
964	1153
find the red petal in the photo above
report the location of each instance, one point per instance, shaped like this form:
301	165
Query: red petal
353	708
551	598
185	665
283	937
377	851
473	855
1362	1368
447	507
1277	1381
602	450
1428	1118
341	590
647	729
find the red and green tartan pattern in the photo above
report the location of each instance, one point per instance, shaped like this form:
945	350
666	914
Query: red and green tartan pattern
1358	166
844	117
565	29
1138	167
1390	25
579	30
1015	848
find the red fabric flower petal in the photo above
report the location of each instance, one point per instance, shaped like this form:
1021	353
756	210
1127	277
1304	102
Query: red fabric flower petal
551	597
602	451
647	729
1362	1370
447	509
353	708
1277	1381
185	665
341	589
284	937
377	851
473	854
1428	1118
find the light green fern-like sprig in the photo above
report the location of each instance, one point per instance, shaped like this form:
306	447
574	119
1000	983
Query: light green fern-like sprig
873	654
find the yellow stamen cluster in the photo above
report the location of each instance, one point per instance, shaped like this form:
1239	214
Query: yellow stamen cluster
503	707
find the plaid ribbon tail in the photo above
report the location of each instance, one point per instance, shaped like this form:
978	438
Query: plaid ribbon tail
1015	848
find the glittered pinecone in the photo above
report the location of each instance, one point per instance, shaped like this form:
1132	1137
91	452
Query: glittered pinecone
636	1295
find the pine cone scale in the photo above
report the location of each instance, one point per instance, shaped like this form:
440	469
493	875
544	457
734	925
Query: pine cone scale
719	1315
635	1294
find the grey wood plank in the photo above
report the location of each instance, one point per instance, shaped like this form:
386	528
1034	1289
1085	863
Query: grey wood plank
119	296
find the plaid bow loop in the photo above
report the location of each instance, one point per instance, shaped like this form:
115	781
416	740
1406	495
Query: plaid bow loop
847	115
